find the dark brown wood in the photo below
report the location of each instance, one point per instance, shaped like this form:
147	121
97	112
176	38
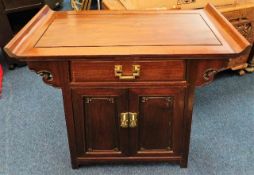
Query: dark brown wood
96	115
150	70
5	27
146	115
192	77
64	77
160	119
251	60
49	72
206	70
14	14
14	5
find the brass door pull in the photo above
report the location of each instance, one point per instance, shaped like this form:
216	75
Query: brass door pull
124	120
119	72
133	119
128	119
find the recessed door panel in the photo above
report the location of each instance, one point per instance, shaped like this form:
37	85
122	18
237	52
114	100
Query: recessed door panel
97	117
160	121
155	115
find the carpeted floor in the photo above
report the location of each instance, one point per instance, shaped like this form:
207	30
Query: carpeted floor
33	138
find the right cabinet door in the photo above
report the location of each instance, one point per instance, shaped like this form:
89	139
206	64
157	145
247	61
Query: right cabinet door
159	129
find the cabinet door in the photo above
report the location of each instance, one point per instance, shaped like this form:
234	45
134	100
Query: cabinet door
97	123
159	130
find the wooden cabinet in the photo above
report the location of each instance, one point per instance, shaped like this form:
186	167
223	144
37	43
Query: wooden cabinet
129	122
128	92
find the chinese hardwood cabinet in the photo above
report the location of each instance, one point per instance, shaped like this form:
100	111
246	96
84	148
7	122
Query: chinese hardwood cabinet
128	78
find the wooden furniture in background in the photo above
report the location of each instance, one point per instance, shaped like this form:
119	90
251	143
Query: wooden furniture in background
54	4
160	4
84	4
14	14
81	4
239	13
128	93
242	17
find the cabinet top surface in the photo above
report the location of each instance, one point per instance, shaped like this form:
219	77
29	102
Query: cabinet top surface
192	33
114	30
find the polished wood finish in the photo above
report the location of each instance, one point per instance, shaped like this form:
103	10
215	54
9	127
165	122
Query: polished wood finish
105	70
96	113
160	120
160	4
215	34
142	118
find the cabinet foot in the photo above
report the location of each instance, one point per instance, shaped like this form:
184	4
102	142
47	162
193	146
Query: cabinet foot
74	165
184	163
11	66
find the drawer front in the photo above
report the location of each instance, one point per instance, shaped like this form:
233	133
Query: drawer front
173	70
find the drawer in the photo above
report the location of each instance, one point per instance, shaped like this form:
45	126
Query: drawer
105	71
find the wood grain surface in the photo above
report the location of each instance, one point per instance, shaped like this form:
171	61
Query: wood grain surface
188	34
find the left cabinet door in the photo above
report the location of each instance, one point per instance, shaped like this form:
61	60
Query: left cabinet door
97	122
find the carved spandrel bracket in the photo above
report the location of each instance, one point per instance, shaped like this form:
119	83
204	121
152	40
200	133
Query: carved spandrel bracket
209	74
46	75
207	69
49	71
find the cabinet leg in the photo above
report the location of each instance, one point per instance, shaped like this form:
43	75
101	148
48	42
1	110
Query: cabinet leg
74	165
11	66
66	91
184	163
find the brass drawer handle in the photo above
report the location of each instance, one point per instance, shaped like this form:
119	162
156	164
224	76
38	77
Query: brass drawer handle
128	119
119	72
124	120
133	119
